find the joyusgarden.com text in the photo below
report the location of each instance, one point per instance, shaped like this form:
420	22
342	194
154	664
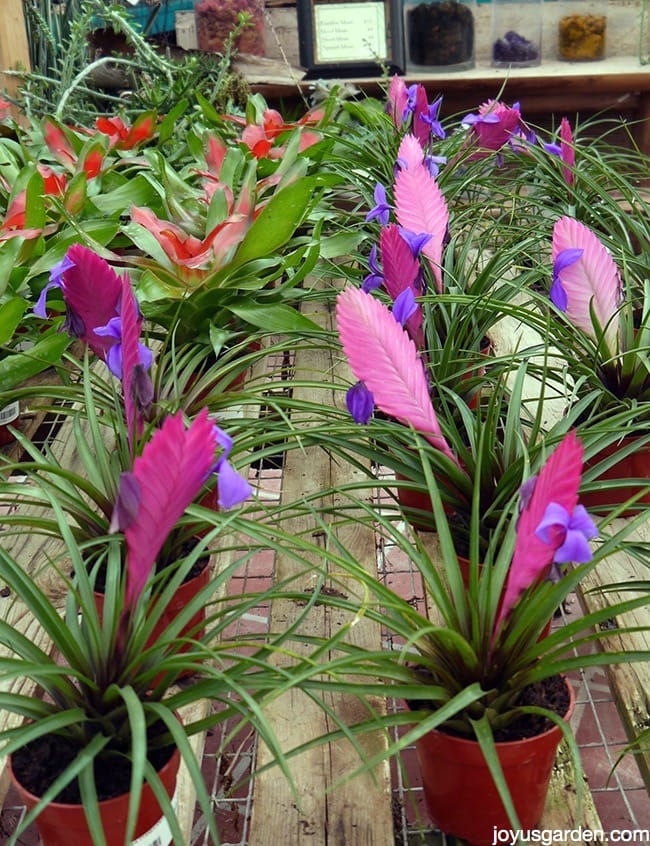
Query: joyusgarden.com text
546	836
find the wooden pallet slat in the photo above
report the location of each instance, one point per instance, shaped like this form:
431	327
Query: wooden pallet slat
360	811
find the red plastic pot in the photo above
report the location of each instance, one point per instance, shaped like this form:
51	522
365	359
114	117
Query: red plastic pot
634	465
183	596
460	794
418	506
65	825
9	416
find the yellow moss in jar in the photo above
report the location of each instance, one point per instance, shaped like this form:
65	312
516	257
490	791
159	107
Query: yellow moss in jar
582	37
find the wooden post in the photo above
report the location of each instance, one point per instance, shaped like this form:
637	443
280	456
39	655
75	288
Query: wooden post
14	50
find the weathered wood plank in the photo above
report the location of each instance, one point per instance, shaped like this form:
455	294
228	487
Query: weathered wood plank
629	683
360	811
14	49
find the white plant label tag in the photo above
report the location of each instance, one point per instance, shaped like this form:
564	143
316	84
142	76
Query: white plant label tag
160	834
9	413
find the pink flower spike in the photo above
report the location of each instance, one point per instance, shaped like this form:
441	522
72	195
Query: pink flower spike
397	100
558	482
92	292
592	282
131	324
170	472
402	271
382	355
420	206
567	150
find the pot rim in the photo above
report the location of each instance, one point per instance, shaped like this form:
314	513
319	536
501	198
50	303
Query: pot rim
509	744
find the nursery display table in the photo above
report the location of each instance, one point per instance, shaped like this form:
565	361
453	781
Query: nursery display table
360	811
619	84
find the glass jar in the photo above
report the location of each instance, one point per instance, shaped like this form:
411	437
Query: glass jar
644	37
582	30
516	33
216	19
439	35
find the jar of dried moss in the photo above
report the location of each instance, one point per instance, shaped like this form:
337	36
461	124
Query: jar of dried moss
582	30
439	35
516	33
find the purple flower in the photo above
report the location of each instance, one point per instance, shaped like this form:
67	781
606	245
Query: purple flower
526	492
360	403
432	164
127	504
404	306
233	488
411	100
431	118
375	279
56	281
567	533
113	329
141	389
564	259
381	209
552	149
415	240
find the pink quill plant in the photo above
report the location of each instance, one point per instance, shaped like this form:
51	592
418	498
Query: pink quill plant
174	465
410	111
385	360
493	126
92	292
565	151
586	283
421	228
551	527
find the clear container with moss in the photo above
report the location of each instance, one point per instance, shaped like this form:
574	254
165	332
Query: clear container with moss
439	35
516	33
582	31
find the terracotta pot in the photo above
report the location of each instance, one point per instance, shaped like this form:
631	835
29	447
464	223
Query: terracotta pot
184	595
65	825
634	465
459	791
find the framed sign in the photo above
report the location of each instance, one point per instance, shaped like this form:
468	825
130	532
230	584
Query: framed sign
350	37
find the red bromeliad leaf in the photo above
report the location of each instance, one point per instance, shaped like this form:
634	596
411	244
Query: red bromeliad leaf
170	472
141	130
558	481
215	155
92	162
53	182
592	283
178	246
59	145
382	355
226	237
420	205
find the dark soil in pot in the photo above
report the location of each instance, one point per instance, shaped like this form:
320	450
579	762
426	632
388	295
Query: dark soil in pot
197	568
550	693
37	765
